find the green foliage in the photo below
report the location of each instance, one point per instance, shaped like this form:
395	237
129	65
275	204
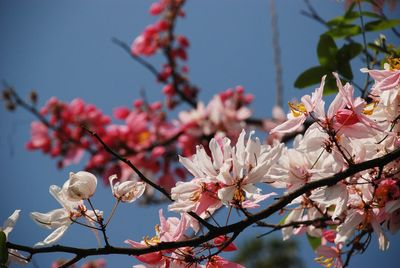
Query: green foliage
379	25
327	51
331	59
315	242
3	248
346	30
271	253
310	77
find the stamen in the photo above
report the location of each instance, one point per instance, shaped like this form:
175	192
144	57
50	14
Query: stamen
370	108
394	63
297	109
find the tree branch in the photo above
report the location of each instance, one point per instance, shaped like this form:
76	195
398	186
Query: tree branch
223	230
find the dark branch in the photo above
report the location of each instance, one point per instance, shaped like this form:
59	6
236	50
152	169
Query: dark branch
224	230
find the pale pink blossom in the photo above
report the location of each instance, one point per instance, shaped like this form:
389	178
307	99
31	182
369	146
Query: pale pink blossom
301	111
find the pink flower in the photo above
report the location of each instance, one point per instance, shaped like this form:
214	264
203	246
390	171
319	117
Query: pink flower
156	8
300	111
170	230
121	112
40	137
358	109
386	79
146	44
219	262
220	242
329	256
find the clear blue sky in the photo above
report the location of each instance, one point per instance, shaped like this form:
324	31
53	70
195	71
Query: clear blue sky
64	49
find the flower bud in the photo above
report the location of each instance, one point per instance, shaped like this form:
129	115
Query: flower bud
33	96
127	191
82	185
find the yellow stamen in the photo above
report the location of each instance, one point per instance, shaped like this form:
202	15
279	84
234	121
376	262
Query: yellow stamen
297	109
152	241
325	262
239	195
394	63
143	137
370	108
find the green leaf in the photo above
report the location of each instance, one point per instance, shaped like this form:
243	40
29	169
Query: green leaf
372	15
330	85
326	51
345	70
340	20
311	76
345	30
3	248
350	51
282	221
315	242
379	25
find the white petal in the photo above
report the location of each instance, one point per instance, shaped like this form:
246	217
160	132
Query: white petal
294	215
189	165
216	153
382	239
10	222
111	179
52	219
346	229
240	148
53	237
226	194
82	185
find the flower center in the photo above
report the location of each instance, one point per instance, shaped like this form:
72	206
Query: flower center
239	195
369	108
143	137
297	109
394	64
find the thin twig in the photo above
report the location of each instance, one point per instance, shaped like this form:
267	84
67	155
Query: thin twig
367	56
100	221
112	212
138	59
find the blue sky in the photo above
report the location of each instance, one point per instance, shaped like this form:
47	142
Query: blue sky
64	49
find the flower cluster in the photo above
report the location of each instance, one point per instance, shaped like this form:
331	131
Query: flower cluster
227	169
59	133
146	137
351	131
80	187
173	229
159	36
223	116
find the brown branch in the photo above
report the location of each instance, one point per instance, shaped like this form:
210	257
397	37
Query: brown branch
128	162
138	59
224	230
176	78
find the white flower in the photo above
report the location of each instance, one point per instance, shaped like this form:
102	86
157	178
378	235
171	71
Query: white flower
82	185
8	226
127	191
248	165
60	219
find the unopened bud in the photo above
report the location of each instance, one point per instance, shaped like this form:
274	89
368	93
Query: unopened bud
10	106
33	96
7	94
